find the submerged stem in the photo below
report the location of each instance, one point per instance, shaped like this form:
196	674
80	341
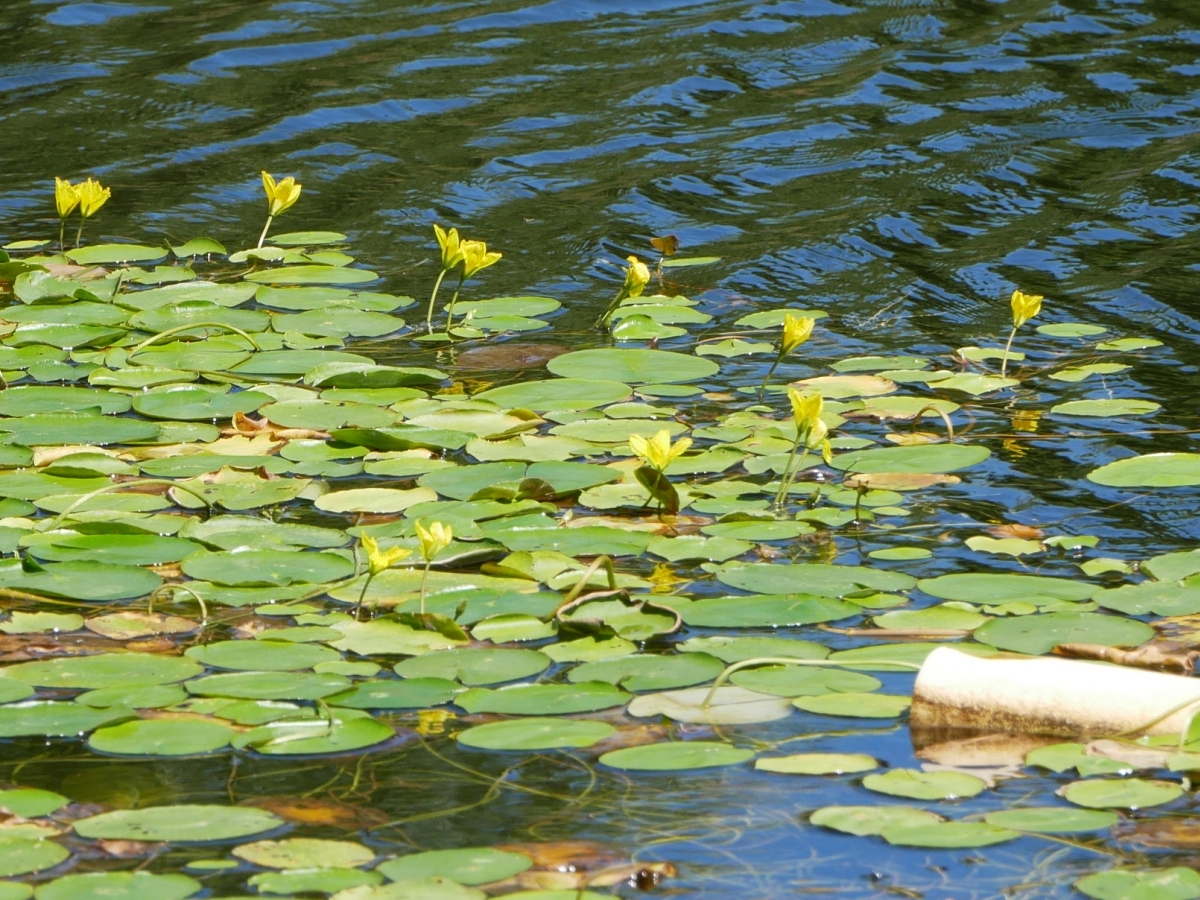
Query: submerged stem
262	237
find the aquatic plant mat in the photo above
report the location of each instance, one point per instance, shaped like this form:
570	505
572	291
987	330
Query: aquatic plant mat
301	596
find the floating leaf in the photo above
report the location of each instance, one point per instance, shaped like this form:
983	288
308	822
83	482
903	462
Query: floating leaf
119	886
469	865
535	699
632	366
923	459
855	706
104	670
1042	633
161	737
1176	883
1151	470
817	764
411	693
870	820
949	835
825	580
178	823
676	756
1125	793
261	656
725	706
803	681
475	666
535	734
1052	820
305	853
918	785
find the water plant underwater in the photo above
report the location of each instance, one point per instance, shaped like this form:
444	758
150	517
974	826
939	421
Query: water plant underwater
638	570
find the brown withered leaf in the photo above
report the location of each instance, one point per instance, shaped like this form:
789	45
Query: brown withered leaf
152	645
1023	532
1177	834
512	356
130	849
242	424
633	874
130	623
984	750
899	481
568	856
1167	656
631	736
316	811
1131	754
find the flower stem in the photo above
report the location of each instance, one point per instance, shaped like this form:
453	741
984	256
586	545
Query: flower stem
424	579
62	231
262	237
789	475
603	321
362	596
450	308
432	297
770	372
1007	348
79	233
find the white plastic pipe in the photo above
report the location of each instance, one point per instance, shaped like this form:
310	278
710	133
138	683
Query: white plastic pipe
1046	695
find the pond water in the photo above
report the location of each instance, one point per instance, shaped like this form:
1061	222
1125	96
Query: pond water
900	166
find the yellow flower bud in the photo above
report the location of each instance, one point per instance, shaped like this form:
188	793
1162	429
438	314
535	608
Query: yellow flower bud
806	409
66	197
796	330
92	196
658	452
476	257
382	560
1025	307
637	276
452	252
282	196
434	539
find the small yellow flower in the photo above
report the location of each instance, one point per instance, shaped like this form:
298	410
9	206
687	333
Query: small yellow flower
476	257
1025	307
452	251
806	408
66	196
637	276
434	539
382	560
796	330
658	452
92	196
282	196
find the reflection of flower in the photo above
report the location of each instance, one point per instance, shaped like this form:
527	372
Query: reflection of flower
658	452
66	197
637	276
1025	307
282	196
434	539
448	241
796	330
476	257
382	560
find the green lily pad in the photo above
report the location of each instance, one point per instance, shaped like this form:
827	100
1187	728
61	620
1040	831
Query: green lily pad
1175	883
918	785
105	254
1052	819
104	670
119	549
993	589
119	886
824	580
777	611
411	693
650	672
347	730
31	803
1124	793
269	685
920	459
949	835
24	400
196	403
733	649
434	889
932	618
557	394
38	623
161	737
475	666
311	275
535	734
305	853
871	820
817	764
180	823
633	366
1105	408
804	681
262	656
75	428
543	699
676	756
1070	329
468	865
155	696
724	706
312	881
81	580
1159	598
855	706
390	637
280	567
1151	470
1040	634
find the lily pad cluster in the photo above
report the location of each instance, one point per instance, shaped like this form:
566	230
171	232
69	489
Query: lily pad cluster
195	445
